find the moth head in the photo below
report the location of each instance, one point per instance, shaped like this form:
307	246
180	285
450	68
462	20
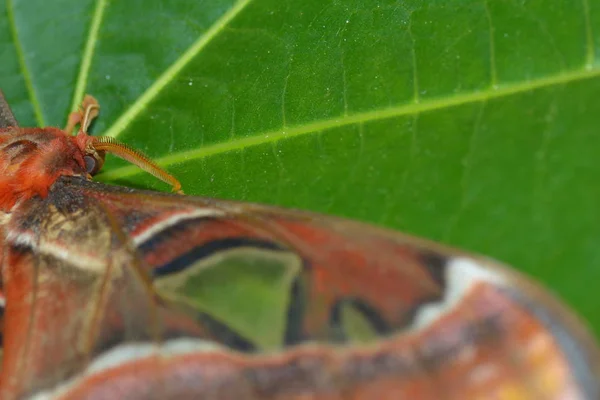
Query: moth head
94	148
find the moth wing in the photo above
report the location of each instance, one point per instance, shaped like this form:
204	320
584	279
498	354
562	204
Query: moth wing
7	118
74	290
100	300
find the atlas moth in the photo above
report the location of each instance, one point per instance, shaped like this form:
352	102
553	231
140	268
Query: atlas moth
99	282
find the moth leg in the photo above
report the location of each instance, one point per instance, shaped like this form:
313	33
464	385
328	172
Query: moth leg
85	114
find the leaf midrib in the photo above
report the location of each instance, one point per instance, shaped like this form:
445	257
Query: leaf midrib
493	92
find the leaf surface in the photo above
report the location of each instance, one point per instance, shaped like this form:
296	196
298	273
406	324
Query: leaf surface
473	123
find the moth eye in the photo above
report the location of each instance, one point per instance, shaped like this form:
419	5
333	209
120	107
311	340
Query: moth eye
90	164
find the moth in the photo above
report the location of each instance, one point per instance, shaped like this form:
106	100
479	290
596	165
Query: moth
99	292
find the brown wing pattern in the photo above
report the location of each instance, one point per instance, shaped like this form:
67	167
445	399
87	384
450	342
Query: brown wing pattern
7	118
93	274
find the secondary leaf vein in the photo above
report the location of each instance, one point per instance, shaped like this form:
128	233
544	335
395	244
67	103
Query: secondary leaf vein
591	51
169	74
492	46
413	50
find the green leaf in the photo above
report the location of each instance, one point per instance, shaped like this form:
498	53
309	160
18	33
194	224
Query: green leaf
474	123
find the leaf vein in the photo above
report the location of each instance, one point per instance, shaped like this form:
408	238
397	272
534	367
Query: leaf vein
591	51
284	94
540	170
416	97
363	117
168	75
37	109
493	72
467	166
88	54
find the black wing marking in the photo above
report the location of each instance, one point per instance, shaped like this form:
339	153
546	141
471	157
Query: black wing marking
7	118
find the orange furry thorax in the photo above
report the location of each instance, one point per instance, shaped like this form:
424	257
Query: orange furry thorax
32	159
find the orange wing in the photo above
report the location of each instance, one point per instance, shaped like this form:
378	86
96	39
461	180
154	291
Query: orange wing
99	279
